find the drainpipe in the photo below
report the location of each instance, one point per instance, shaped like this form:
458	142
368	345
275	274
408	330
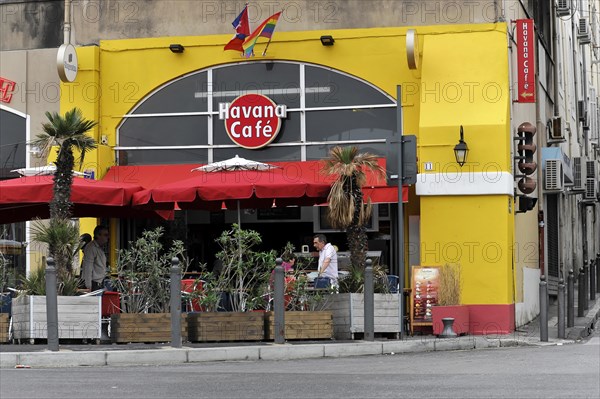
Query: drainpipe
67	24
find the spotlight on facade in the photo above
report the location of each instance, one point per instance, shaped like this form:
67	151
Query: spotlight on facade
461	149
176	48
327	40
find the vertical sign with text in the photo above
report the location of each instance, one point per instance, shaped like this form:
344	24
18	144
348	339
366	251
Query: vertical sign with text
525	61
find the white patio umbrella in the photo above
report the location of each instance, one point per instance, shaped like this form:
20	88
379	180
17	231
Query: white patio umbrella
233	164
41	171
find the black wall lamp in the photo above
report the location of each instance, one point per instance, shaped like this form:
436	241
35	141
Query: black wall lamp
176	48
327	40
461	149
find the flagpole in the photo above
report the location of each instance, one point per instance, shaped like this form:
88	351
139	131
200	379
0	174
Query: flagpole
269	42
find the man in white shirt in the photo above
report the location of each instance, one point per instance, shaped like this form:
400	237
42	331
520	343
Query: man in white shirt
94	259
328	264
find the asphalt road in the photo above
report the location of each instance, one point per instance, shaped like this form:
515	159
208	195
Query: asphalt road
526	372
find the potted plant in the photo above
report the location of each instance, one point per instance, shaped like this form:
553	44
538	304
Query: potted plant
236	290
448	301
5	301
78	317
305	314
348	211
143	282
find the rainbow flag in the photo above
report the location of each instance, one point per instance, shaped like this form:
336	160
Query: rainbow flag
265	29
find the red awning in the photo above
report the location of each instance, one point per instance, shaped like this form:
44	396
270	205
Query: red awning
26	198
292	183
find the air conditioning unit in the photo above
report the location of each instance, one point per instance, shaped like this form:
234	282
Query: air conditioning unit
579	174
591	182
563	8
583	31
557	129
553	175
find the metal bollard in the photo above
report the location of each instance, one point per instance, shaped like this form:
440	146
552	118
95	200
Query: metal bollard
586	284
570	299
561	308
51	305
369	315
580	293
278	303
543	309
175	303
593	271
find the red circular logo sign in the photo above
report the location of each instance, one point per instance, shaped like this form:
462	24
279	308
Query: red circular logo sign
252	120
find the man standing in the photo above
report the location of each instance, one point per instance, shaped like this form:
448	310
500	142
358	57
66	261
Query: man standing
328	264
94	259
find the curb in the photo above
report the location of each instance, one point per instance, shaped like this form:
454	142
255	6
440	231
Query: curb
169	356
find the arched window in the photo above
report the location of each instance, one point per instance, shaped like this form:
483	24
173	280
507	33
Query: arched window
179	123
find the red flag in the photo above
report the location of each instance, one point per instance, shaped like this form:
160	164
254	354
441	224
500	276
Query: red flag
242	29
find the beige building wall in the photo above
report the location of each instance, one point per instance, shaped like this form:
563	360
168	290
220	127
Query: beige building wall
37	24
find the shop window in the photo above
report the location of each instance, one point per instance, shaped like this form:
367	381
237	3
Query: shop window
13	130
270	154
177	96
164	131
321	151
277	80
166	156
351	124
328	88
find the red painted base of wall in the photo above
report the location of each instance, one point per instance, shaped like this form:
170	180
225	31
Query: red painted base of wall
460	314
491	319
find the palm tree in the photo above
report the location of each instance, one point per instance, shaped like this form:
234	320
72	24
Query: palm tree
68	133
347	209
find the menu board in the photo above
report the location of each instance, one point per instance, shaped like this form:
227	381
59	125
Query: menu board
424	294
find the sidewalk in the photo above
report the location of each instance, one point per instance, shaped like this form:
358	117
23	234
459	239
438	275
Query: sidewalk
37	356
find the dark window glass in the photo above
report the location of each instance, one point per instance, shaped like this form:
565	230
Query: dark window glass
327	88
12	142
154	157
267	154
289	132
316	152
352	124
271	78
164	131
178	96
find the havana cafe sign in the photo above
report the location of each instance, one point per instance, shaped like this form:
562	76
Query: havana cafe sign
252	121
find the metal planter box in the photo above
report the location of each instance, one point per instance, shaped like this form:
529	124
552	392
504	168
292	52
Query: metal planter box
78	317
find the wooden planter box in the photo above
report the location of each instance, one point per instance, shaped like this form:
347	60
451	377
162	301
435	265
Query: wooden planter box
460	314
226	326
78	317
302	325
143	327
348	314
4	323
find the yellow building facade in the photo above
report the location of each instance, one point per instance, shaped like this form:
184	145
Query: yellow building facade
466	214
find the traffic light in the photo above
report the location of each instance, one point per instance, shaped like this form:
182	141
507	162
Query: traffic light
525	152
526	204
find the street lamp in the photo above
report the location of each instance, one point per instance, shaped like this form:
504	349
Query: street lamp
461	150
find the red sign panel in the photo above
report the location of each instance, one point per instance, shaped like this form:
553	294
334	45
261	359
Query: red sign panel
252	120
525	61
6	90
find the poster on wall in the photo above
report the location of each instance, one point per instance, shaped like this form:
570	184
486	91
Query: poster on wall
424	294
